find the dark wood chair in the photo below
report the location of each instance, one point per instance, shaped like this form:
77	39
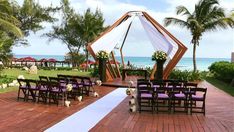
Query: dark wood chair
23	87
88	84
55	92
43	91
145	96
43	78
32	90
163	99
199	96
179	95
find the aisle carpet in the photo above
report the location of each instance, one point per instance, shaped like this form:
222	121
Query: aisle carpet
89	116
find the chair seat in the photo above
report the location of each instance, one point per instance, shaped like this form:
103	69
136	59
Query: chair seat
23	87
146	95
33	88
162	96
43	89
180	95
197	97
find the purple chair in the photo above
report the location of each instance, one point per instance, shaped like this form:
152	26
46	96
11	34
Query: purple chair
145	96
179	95
23	86
88	84
43	90
163	99
55	92
199	96
32	90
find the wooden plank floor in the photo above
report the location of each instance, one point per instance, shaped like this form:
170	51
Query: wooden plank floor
219	117
29	116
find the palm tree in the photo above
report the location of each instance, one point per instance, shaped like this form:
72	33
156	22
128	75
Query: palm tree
8	23
207	16
91	26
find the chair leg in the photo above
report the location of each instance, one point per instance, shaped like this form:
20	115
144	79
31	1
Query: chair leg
18	94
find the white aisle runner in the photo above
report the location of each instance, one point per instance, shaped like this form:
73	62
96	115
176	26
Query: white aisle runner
88	117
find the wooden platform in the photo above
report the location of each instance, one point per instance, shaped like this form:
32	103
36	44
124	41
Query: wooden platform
119	83
29	116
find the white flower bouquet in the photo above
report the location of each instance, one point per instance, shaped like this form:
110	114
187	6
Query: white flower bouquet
102	55
69	87
159	56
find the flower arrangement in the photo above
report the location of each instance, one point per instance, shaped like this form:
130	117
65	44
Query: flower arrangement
102	54
69	87
159	56
99	82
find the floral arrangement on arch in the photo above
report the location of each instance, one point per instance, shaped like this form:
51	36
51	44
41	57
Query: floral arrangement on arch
102	54
159	56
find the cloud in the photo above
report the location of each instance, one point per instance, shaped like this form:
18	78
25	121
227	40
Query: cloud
114	9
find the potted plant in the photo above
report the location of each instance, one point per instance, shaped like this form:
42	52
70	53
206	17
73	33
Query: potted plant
102	56
160	57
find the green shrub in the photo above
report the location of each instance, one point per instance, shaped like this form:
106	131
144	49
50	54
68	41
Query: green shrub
5	79
223	70
94	72
187	75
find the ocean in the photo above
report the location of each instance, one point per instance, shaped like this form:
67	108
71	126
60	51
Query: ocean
185	63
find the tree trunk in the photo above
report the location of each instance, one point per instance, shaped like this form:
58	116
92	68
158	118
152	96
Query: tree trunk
87	58
194	57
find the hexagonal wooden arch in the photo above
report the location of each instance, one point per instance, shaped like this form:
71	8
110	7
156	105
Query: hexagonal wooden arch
169	67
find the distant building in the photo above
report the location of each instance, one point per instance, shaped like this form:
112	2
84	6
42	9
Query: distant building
232	57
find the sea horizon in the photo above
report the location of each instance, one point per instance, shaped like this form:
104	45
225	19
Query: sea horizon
142	62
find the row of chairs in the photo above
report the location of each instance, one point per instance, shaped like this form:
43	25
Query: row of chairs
175	95
53	89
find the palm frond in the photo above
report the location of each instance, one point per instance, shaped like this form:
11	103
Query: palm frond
9	27
222	23
183	10
171	20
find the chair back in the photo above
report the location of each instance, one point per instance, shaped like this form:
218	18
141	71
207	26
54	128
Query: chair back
87	81
54	86
190	85
54	79
43	85
158	83
199	91
144	87
22	82
43	78
32	83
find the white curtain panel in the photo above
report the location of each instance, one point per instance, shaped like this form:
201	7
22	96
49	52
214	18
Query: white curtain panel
111	39
158	40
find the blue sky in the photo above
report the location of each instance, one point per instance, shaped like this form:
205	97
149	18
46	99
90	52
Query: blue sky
217	44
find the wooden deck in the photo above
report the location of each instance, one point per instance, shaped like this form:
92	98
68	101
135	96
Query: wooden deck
29	116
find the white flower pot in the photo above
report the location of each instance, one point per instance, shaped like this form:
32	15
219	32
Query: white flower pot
79	98
132	102
67	103
133	108
95	94
4	86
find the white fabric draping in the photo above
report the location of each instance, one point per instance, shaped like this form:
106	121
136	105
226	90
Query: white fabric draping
111	39
158	40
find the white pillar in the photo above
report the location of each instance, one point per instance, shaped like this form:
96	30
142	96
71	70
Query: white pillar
232	60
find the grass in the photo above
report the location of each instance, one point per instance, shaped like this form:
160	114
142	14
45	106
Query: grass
51	73
14	73
221	85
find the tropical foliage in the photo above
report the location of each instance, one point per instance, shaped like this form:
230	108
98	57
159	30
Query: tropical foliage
8	23
77	30
32	15
223	70
188	75
207	16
